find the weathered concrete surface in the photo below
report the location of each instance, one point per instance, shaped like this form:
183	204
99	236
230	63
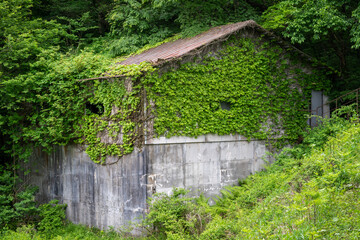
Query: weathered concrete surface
203	167
96	195
113	195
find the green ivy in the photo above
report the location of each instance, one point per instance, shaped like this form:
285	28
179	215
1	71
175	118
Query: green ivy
256	81
114	132
265	93
264	90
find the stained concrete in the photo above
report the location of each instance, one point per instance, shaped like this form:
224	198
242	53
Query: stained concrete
112	195
96	195
203	167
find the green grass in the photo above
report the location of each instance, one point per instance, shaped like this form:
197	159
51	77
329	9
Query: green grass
310	192
68	232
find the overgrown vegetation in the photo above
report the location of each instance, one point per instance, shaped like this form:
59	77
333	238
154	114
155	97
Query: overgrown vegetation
59	105
246	75
21	217
311	191
46	47
19	209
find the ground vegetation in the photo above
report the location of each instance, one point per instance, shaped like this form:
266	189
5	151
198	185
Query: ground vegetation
46	47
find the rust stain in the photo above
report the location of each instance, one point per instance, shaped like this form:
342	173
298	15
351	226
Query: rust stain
181	47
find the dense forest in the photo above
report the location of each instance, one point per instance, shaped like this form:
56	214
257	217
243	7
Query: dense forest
47	46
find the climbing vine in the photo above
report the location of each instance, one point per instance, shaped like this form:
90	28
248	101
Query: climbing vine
264	96
249	88
114	130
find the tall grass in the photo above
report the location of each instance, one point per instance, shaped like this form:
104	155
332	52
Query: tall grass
311	192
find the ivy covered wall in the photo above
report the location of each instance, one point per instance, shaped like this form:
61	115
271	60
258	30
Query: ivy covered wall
251	87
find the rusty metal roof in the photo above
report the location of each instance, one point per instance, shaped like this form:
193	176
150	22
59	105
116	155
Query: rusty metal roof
181	47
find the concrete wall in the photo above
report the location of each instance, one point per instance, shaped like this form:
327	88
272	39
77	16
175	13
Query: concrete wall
96	195
112	195
205	164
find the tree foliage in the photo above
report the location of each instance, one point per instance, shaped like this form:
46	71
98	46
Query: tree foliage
326	29
302	20
17	203
47	46
137	23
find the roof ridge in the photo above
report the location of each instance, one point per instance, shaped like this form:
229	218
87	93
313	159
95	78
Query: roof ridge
180	47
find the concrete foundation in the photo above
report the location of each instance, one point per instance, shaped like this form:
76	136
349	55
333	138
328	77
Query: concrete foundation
112	195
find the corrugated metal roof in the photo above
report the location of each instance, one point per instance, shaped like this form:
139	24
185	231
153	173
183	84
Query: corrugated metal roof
181	47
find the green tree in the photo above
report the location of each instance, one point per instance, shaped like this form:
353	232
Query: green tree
96	11
136	23
17	204
326	29
23	39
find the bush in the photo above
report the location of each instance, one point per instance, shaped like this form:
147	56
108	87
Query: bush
19	210
310	192
17	204
22	233
52	217
176	216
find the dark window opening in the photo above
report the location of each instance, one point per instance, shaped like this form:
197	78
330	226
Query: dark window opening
94	108
225	105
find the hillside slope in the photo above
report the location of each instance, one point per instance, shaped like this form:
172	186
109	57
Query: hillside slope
310	192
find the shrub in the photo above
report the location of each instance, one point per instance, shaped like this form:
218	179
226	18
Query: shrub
22	233
17	203
52	217
310	192
176	216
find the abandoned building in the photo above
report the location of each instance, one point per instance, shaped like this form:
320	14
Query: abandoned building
214	104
